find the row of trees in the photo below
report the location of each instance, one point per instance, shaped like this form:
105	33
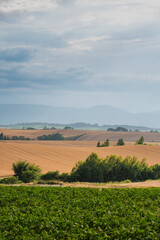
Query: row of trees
120	142
118	129
2	137
94	169
107	143
113	168
56	136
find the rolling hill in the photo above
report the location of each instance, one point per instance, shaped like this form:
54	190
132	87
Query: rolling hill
63	156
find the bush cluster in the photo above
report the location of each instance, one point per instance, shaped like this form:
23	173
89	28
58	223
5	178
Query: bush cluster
105	144
56	136
113	168
10	180
2	137
55	175
26	172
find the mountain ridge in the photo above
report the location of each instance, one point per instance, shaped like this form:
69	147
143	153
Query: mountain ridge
102	115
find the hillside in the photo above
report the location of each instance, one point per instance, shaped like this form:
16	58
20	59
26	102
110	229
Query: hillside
62	156
86	135
108	115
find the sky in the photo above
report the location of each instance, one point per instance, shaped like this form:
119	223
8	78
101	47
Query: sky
81	53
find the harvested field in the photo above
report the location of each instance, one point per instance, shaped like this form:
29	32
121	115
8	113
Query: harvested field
63	155
86	135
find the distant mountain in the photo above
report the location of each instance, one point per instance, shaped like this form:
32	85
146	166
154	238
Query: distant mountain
102	115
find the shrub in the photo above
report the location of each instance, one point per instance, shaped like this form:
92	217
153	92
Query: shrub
55	176
30	176
14	138
65	177
140	141
105	144
10	180
25	171
120	142
50	176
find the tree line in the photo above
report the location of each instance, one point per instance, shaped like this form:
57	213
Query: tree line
2	137
120	142
93	169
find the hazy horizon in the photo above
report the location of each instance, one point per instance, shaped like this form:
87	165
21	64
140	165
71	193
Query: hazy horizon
80	53
79	107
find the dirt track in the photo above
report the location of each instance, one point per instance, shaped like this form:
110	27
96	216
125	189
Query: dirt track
147	184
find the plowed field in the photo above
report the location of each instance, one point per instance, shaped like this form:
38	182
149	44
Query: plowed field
62	156
86	135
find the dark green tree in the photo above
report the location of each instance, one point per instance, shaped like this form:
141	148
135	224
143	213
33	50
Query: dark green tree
140	141
120	142
106	143
25	171
1	136
98	144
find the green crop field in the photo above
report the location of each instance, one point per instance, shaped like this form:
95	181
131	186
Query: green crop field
79	213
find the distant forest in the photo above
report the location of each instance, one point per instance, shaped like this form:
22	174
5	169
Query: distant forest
79	126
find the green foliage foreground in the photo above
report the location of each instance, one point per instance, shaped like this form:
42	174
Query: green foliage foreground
79	213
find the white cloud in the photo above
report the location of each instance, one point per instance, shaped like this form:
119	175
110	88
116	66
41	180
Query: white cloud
29	5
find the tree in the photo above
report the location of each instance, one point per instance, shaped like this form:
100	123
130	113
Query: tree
98	144
106	143
118	129
120	142
140	141
25	171
68	128
1	136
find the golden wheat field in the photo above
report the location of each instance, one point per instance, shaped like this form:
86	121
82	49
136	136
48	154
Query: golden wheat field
63	155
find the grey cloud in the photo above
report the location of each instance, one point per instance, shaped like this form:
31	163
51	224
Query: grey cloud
10	17
66	2
71	79
15	55
36	38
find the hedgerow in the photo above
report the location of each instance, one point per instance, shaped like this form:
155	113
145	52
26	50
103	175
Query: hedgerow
113	168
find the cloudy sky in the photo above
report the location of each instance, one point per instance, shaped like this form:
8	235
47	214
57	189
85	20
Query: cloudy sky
81	53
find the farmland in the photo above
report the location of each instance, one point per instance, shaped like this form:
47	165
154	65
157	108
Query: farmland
86	135
63	155
78	213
